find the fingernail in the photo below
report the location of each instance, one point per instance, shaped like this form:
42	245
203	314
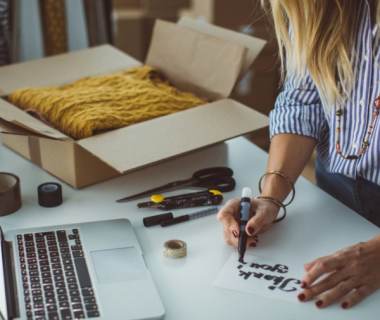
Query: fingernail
301	297
303	285
253	244
251	230
319	303
344	305
235	233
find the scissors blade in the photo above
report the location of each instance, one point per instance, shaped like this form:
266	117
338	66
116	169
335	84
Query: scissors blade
166	187
150	192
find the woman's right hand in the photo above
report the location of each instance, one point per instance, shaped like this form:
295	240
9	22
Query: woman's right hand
262	215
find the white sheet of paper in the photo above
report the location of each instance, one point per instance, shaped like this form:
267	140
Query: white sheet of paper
261	276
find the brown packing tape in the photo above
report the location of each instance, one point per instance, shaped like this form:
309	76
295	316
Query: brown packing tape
35	150
10	194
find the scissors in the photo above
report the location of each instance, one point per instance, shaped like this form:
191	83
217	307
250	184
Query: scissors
217	178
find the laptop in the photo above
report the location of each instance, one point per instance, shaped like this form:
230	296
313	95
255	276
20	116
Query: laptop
91	270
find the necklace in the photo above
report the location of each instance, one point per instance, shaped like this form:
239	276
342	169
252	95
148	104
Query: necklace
365	143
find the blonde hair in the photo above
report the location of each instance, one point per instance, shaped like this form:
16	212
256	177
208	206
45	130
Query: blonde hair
323	35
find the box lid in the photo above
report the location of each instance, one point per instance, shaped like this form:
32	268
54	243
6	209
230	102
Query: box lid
166	137
202	64
19	122
254	45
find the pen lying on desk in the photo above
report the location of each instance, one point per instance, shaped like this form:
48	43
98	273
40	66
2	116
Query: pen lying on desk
190	216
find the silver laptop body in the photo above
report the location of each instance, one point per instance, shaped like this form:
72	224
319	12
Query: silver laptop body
98	273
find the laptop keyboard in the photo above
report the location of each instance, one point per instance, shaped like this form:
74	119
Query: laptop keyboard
56	282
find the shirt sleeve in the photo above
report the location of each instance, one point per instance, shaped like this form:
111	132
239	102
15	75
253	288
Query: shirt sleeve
298	109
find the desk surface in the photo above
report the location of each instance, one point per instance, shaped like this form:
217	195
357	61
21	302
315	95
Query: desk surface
316	225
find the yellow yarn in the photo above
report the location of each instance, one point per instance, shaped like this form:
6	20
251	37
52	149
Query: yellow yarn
106	102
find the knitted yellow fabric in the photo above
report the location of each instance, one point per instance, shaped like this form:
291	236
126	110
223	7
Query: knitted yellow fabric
105	102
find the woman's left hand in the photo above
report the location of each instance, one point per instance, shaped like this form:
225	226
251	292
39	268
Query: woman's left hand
353	271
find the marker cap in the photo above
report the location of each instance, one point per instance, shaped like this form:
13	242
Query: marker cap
179	219
154	220
246	193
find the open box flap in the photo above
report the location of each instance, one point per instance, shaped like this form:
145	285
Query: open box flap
166	137
254	45
64	68
202	64
16	121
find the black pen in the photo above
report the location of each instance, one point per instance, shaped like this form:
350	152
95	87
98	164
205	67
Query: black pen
244	217
190	216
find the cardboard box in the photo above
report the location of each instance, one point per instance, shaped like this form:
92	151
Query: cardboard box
193	61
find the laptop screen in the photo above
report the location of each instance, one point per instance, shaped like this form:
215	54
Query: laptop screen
3	302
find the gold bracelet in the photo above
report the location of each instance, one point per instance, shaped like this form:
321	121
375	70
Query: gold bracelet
276	202
284	176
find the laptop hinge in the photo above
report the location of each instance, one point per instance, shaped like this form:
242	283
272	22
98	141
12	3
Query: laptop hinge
9	279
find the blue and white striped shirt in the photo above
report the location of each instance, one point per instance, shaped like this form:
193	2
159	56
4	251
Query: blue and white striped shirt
300	110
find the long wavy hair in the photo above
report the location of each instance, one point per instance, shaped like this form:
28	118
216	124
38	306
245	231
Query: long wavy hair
323	35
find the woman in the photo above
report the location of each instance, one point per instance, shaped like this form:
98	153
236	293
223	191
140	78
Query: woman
331	52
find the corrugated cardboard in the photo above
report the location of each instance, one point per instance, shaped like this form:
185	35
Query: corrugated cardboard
209	66
84	162
253	45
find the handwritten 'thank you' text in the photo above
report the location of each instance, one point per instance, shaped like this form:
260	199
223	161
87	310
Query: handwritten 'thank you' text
279	282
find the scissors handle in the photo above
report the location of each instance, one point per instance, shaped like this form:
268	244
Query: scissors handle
222	184
213	172
218	178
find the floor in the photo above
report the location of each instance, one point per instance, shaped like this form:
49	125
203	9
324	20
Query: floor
261	139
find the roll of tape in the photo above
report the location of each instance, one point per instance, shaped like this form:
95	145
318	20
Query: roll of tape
175	249
10	193
49	194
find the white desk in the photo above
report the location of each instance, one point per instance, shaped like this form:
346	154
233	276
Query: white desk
316	225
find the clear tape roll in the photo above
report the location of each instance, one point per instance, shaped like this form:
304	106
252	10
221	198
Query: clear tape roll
175	249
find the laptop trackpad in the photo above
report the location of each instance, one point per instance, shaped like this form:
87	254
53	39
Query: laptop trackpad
118	265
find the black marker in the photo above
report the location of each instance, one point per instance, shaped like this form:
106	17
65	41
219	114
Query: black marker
190	216
244	217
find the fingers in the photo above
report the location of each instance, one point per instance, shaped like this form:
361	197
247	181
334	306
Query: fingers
351	276
231	208
252	241
320	267
342	289
263	214
229	216
338	288
357	296
226	216
308	266
324	285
